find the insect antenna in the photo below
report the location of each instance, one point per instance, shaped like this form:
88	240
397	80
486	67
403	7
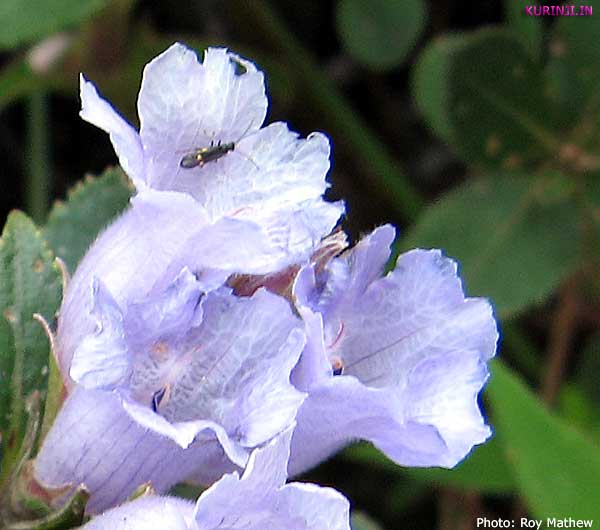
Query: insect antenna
243	136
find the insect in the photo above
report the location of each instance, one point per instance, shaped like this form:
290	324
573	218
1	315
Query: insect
202	155
199	157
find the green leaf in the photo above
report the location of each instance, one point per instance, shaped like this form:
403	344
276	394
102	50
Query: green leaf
515	237
576	407
30	282
484	470
500	114
557	469
430	82
574	65
73	225
588	370
527	27
378	33
591	214
484	94
24	21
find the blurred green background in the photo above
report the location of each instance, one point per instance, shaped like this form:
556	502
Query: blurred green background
471	126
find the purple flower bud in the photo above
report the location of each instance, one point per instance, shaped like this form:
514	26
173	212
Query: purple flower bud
398	360
257	500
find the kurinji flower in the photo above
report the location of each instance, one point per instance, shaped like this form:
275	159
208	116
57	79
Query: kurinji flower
398	360
256	209
259	500
268	177
178	365
180	383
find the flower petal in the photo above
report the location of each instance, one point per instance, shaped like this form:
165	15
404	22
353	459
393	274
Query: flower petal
102	359
319	507
418	310
123	136
344	410
412	352
166	513
442	392
271	170
256	501
165	312
184	105
95	442
260	499
128	258
187	432
238	374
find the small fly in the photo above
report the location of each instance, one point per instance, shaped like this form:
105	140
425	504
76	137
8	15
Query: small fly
199	157
202	155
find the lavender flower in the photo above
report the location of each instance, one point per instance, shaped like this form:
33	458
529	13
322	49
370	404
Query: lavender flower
254	210
172	375
267	176
179	368
397	360
259	500
181	383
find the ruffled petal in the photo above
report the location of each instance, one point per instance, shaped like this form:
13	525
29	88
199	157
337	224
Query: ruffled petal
368	260
344	410
410	351
418	310
184	105
234	496
314	367
260	500
270	170
296	232
128	258
187	432
319	507
94	441
166	311
442	392
238	374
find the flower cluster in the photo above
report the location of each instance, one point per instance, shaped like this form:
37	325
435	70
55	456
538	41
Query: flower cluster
221	324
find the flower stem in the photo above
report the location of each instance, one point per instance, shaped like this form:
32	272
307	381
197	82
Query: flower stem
563	329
